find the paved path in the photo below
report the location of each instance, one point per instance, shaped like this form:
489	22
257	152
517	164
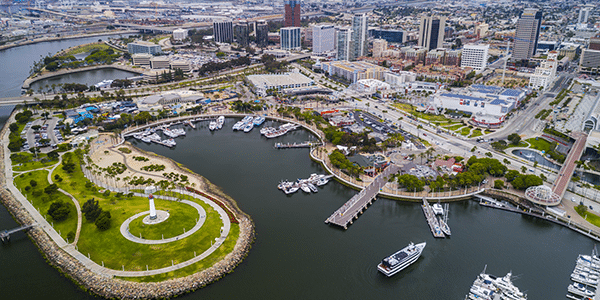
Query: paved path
201	218
77	207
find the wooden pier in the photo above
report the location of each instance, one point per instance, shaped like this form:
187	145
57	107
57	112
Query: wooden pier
432	220
5	234
346	214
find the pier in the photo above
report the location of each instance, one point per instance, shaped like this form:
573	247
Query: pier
432	221
346	214
295	145
5	234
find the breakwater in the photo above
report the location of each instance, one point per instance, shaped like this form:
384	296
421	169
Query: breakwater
106	286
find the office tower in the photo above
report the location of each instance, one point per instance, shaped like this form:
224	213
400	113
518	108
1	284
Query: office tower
290	38
390	35
342	40
584	14
379	46
223	31
358	37
528	31
262	33
431	32
241	33
475	56
323	39
291	18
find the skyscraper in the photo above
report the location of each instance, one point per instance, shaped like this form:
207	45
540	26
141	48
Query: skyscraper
431	32
584	14
358	36
475	56
223	31
290	38
528	32
262	33
323	39
291	17
342	40
241	32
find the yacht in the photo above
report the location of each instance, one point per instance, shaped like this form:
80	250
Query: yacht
304	187
212	125
444	227
401	259
266	130
584	279
312	187
438	209
322	181
580	289
220	121
248	127
482	293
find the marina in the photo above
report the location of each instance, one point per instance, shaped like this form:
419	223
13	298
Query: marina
271	132
432	220
489	287
295	145
308	185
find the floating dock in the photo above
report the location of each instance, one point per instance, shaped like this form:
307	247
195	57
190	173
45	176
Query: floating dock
432	220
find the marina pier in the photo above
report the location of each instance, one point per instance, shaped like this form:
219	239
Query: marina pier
5	234
346	214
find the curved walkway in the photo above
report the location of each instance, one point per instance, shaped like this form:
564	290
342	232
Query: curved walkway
77	207
125	227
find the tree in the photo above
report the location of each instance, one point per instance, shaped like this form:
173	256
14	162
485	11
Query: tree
498	184
91	210
33	183
51	189
523	169
514	138
59	211
103	221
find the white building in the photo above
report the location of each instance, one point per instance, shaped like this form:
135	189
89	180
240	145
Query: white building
323	39
475	56
159	62
141	59
398	79
180	34
545	74
182	64
379	47
264	82
290	38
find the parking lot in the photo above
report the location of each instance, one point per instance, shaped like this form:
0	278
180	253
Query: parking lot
41	133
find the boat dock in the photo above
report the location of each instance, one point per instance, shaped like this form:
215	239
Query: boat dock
346	214
5	234
295	145
432	220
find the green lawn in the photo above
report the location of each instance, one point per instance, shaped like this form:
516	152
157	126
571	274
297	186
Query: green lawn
181	216
590	217
88	48
25	161
465	131
487	131
114	251
455	127
411	110
42	201
477	132
541	144
521	144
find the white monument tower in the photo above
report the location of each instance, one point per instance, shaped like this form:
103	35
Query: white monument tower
152	208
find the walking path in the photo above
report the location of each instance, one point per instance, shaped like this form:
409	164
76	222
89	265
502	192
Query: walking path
77	207
201	218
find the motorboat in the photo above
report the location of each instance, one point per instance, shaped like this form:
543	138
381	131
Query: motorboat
401	259
212	125
312	187
580	289
304	187
438	209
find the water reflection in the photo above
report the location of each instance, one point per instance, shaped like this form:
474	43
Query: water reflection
534	156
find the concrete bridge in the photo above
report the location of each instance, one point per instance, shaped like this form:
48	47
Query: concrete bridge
566	172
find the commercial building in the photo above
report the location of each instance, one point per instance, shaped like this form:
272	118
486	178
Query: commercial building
141	59
545	74
159	62
291	17
223	31
379	47
183	64
527	34
180	34
241	33
290	38
323	39
262	33
400	78
475	56
545	46
431	32
143	47
584	15
590	59
358	41
481	30
262	83
343	36
390	35
353	71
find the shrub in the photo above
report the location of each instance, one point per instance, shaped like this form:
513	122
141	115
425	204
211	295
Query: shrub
125	150
103	221
498	184
59	211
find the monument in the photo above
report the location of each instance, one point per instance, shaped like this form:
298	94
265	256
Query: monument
152	208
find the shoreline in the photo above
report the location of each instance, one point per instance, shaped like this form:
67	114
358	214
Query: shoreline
111	287
70	37
31	80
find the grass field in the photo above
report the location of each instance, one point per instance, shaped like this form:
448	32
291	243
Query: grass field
465	131
455	127
521	144
115	252
181	216
433	118
42	201
88	48
590	217
25	161
475	133
541	144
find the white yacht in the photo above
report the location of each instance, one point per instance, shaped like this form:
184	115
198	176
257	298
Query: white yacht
312	187
584	279
580	289
248	127
438	209
212	125
401	259
304	187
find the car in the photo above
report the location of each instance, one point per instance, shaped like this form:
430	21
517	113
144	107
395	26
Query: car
591	207
424	134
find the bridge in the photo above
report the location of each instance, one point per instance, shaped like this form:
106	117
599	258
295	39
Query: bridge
566	172
5	235
346	214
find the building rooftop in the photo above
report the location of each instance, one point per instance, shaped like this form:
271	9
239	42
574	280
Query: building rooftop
284	79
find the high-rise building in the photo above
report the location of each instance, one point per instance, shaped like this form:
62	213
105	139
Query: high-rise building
262	33
291	18
590	58
528	32
431	32
379	46
223	31
390	35
241	33
474	56
290	38
545	74
343	36
358	36
323	39
584	15
143	47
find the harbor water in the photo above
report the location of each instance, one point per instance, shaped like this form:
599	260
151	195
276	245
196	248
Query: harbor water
88	78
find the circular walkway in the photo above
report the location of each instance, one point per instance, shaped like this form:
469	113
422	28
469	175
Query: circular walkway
125	227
